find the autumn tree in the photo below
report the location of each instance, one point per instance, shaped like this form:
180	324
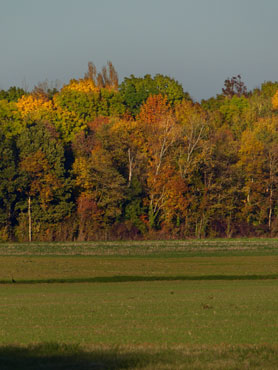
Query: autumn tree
83	100
224	195
158	120
107	78
191	156
234	86
45	189
100	179
274	101
259	160
46	89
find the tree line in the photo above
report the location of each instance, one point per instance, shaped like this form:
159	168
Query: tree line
98	160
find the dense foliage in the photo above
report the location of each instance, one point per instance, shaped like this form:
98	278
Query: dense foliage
102	160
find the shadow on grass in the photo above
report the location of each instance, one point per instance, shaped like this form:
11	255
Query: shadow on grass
134	278
55	356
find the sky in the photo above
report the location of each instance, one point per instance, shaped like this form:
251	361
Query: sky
200	43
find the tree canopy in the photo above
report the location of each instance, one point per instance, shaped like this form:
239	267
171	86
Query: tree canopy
98	159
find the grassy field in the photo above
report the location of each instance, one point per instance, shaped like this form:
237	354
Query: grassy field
170	305
37	269
162	249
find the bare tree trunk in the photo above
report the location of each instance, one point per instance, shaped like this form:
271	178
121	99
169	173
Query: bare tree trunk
130	163
270	209
229	230
29	219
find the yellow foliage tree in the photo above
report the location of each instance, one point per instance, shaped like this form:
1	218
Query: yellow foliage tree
84	85
31	105
194	126
67	123
275	100
258	156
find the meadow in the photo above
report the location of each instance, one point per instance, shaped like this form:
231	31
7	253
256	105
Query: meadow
208	304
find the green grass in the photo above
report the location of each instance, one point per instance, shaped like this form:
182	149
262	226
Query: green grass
24	269
164	305
155	325
195	312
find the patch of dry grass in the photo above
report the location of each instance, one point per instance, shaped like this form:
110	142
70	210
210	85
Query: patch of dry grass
167	248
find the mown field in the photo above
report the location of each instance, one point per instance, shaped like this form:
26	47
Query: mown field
143	305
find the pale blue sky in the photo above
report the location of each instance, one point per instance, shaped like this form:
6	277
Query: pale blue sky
198	42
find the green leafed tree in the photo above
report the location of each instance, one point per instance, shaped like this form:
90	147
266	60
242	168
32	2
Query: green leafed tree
45	187
10	119
136	90
12	94
9	182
